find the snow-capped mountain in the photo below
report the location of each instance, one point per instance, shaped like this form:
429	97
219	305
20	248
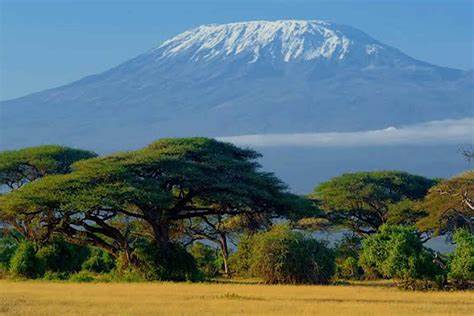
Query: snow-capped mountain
288	41
242	78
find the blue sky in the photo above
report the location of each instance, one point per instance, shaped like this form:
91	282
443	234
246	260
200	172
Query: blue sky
47	43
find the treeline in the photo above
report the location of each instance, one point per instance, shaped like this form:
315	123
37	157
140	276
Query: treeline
197	208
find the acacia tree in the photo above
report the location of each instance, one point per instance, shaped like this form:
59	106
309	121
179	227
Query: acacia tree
364	201
222	229
19	167
157	187
450	205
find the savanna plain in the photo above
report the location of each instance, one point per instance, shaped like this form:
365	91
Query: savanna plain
362	298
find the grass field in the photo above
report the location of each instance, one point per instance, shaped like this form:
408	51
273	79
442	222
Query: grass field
55	298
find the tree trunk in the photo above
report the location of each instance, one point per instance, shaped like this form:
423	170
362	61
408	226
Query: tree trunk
162	237
224	252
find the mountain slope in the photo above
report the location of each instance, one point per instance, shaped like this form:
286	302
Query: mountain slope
242	78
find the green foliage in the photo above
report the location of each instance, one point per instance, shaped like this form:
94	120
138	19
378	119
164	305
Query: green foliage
158	187
55	276
24	262
461	266
284	256
364	201
150	262
349	269
347	257
61	256
98	261
18	167
8	246
397	252
240	261
206	259
82	276
449	205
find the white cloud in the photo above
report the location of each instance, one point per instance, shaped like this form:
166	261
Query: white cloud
434	132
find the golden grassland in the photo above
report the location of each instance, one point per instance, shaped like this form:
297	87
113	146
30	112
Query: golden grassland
63	298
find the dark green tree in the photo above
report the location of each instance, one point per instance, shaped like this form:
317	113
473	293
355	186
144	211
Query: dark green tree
155	188
19	167
364	201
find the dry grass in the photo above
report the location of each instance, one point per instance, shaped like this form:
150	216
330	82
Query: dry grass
50	298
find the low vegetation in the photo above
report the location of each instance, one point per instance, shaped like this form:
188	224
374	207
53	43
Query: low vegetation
196	209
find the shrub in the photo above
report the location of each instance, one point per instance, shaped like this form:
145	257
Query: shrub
99	261
347	257
8	246
206	259
149	262
82	276
461	266
285	256
240	261
55	276
25	263
61	256
397	252
349	269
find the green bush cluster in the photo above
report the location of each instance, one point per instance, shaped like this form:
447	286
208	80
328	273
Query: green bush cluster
461	267
207	259
282	255
398	252
149	262
347	258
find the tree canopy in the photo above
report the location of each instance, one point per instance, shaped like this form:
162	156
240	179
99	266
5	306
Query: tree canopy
364	201
449	205
155	188
18	167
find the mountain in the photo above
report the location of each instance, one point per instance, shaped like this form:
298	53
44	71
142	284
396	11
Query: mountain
256	78
242	78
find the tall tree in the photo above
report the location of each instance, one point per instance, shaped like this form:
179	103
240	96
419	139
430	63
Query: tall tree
159	186
19	167
364	201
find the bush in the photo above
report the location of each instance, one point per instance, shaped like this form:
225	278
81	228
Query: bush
55	276
397	252
151	263
61	256
99	261
82	276
284	256
349	269
240	261
206	259
461	265
347	258
8	246
25	263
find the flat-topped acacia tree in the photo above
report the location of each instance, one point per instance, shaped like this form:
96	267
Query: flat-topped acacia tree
364	201
156	187
19	167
